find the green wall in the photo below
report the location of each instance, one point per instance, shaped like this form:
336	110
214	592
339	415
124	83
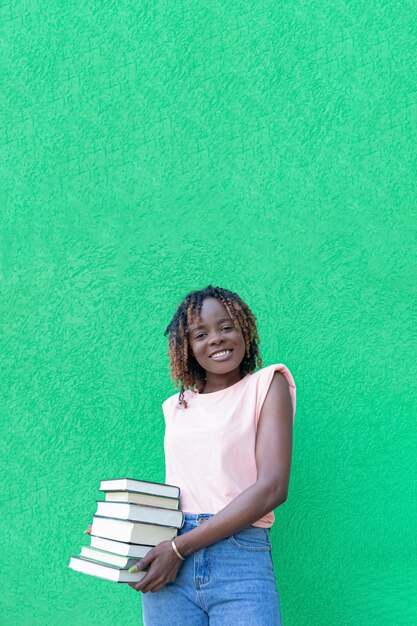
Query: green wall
149	149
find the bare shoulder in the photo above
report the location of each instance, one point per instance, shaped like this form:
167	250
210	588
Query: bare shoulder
279	386
278	398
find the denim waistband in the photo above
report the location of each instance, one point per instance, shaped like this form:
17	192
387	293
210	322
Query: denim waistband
197	518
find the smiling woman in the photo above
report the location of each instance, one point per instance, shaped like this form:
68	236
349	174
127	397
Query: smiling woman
199	315
228	446
217	339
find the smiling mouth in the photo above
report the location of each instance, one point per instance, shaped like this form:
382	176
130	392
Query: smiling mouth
221	354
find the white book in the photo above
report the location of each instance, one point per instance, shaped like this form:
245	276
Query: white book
131	532
115	574
144	486
142	498
119	547
140	513
108	558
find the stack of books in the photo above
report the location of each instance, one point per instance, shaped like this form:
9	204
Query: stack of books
135	516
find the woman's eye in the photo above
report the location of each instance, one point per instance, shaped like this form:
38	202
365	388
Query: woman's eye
224	328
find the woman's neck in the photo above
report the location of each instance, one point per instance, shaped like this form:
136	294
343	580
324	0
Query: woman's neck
218	382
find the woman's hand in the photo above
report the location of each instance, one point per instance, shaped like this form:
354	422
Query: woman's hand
162	564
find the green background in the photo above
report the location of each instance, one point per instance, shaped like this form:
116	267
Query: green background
152	148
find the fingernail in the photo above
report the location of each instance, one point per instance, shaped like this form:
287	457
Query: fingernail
133	569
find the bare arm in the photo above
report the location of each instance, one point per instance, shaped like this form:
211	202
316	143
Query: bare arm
273	461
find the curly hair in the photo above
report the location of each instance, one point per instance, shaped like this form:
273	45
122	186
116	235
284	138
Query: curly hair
185	369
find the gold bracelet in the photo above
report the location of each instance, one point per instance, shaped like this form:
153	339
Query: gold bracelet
176	550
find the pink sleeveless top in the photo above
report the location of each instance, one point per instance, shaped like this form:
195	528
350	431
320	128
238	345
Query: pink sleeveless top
210	446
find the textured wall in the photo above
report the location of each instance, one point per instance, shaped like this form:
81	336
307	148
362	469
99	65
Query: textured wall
152	148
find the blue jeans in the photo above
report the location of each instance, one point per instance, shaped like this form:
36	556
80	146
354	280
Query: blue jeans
231	582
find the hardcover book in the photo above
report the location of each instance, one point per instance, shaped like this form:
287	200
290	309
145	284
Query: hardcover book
142	486
142	498
108	572
108	558
140	513
119	547
131	532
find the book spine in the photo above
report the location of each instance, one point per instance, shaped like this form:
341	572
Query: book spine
136	523
127	506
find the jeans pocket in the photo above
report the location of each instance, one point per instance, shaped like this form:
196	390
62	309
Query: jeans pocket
253	538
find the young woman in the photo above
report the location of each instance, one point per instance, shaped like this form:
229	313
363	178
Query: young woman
228	446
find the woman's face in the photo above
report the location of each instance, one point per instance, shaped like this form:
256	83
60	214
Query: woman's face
216	332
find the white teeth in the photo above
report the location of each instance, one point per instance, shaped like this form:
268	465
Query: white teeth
221	353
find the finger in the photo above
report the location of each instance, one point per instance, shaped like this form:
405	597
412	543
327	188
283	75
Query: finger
136	567
144	583
156	585
152	585
141	565
137	585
